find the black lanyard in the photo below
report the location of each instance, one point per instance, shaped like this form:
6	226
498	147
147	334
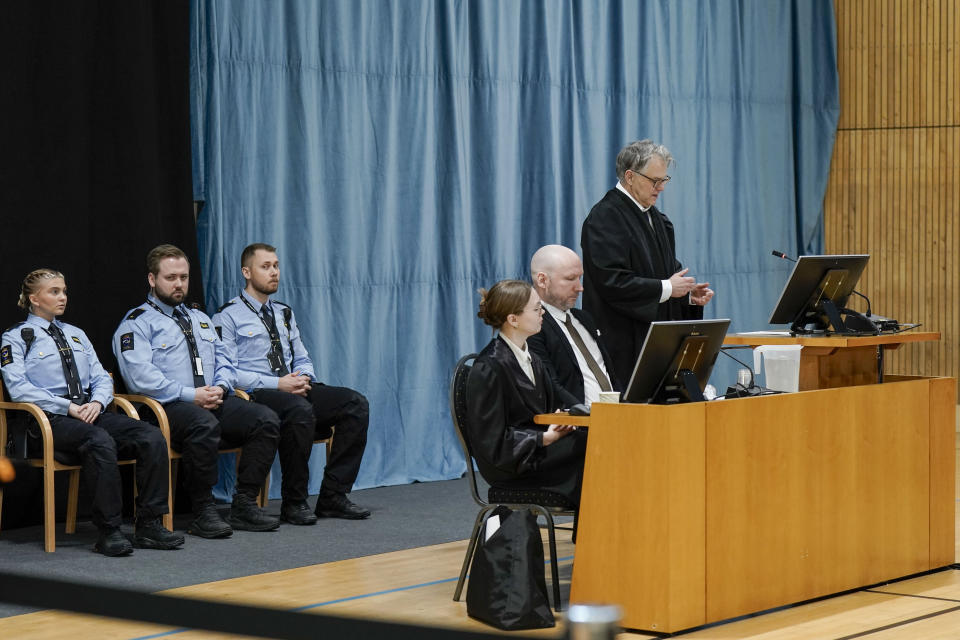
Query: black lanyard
275	357
70	371
187	329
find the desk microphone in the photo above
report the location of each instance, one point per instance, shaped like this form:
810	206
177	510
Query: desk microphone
751	388
781	254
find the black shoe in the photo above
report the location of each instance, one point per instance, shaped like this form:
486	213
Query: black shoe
113	543
207	523
297	513
245	515
150	534
339	506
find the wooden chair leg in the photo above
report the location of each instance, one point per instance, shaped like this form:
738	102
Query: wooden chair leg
49	519
73	498
1	508
171	485
172	494
264	492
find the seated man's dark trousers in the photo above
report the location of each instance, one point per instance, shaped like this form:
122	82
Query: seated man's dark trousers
98	447
304	420
199	433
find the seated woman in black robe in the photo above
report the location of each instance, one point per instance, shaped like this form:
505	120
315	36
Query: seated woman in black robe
506	388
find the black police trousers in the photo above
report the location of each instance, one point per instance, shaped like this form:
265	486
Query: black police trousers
99	445
199	433
305	419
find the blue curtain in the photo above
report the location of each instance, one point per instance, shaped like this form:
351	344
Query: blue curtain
402	154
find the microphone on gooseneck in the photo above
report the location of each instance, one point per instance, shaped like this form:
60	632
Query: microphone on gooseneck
724	350
781	254
868	314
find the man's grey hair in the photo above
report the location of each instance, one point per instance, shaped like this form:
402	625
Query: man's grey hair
636	155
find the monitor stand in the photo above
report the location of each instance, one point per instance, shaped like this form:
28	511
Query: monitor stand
679	382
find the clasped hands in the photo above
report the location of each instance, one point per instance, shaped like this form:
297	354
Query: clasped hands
700	292
295	383
85	412
208	397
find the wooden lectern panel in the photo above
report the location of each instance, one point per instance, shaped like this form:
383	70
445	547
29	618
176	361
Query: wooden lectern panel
815	493
641	533
943	408
696	513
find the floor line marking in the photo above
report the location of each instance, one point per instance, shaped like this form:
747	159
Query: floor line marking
898	624
339	600
911	595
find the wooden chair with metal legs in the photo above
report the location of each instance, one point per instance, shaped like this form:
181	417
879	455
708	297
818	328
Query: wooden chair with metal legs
49	464
541	502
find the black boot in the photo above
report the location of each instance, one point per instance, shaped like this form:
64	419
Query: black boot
113	543
207	523
151	534
338	505
297	513
245	515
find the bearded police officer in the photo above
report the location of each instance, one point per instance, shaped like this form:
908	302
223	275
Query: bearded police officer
171	352
53	365
263	342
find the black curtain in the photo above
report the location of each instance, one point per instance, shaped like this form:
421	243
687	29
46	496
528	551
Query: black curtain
94	154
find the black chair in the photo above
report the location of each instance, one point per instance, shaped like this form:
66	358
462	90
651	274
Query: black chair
541	502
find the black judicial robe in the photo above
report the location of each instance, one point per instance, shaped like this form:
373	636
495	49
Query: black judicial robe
558	356
507	445
624	260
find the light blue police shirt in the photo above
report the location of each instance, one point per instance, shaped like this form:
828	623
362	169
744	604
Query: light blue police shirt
39	377
154	355
247	342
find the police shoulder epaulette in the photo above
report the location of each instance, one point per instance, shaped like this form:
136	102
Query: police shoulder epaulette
195	305
136	313
12	327
282	304
224	306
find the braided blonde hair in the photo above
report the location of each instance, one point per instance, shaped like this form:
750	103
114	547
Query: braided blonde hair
31	285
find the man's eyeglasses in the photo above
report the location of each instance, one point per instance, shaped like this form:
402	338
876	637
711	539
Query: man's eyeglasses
656	181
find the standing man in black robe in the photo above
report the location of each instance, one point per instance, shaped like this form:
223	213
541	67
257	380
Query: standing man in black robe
631	273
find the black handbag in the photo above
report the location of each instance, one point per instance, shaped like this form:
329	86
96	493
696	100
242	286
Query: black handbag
507	588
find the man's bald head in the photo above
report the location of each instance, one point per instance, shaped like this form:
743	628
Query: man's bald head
556	271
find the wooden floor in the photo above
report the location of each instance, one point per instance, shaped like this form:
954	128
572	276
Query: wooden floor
416	586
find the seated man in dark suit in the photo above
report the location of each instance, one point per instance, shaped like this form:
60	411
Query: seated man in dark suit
569	344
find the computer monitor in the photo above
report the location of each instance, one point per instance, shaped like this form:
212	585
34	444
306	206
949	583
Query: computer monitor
675	361
814	299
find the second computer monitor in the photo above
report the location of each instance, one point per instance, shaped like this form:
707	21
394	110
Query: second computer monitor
676	360
816	291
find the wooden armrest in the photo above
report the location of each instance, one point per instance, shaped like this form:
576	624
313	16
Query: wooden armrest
155	407
561	418
46	433
243	395
126	406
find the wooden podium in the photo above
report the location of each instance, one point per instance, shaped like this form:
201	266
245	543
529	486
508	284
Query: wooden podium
696	513
827	362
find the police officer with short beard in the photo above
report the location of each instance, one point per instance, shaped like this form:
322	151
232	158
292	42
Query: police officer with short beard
171	352
263	342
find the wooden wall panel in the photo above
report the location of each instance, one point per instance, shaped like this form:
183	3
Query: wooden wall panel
894	187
